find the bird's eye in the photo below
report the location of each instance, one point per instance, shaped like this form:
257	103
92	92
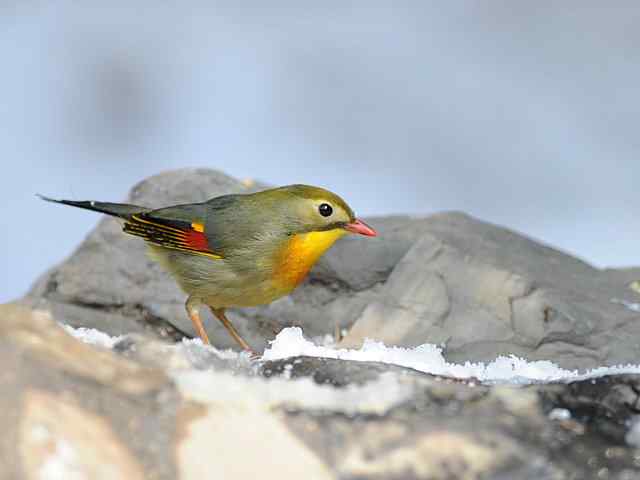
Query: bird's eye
325	209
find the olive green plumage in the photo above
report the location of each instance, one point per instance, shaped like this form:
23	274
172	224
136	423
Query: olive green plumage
242	249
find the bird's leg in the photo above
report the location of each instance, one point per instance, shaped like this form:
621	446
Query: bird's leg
193	310
219	314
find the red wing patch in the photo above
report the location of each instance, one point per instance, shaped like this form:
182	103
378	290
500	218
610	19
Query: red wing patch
190	238
196	240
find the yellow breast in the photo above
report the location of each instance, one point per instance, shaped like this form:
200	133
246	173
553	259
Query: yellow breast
300	254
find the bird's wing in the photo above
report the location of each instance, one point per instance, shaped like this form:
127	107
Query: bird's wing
181	227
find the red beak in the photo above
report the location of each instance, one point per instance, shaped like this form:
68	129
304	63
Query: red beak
358	226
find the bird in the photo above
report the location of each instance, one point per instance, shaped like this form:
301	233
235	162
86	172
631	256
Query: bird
237	250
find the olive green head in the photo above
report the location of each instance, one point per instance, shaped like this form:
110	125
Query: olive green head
304	208
314	209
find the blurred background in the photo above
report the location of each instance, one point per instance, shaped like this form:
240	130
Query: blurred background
524	114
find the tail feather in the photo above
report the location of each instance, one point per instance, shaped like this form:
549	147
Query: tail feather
121	210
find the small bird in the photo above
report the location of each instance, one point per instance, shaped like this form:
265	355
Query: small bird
239	250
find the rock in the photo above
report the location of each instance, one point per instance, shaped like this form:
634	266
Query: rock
72	411
478	289
163	410
484	291
241	444
454	429
152	409
59	440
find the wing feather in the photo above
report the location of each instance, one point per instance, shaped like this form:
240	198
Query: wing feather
174	234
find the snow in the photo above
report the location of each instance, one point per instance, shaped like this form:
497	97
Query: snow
193	367
560	414
194	346
426	358
92	336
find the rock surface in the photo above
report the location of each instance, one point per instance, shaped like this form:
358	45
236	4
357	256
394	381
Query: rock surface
479	289
148	407
153	410
484	291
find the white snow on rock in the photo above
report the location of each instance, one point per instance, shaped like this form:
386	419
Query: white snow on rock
91	336
560	414
426	358
193	368
194	346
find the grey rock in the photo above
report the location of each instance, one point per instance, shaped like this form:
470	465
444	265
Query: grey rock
459	429
484	291
164	411
73	411
326	371
158	407
478	289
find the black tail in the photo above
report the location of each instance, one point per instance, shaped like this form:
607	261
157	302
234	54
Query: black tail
121	210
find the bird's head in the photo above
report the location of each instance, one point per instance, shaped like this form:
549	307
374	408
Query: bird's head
313	209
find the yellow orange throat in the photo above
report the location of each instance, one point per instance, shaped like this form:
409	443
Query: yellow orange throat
301	253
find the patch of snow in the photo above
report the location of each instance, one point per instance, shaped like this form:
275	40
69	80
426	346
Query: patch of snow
428	358
92	336
326	340
203	357
559	414
194	346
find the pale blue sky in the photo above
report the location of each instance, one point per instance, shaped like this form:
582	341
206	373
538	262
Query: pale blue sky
524	114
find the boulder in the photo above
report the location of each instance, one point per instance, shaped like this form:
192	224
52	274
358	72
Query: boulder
151	404
476	288
482	290
72	411
151	409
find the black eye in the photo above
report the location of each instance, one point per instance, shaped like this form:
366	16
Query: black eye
325	209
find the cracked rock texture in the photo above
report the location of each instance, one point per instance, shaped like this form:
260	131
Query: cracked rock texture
154	410
449	279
